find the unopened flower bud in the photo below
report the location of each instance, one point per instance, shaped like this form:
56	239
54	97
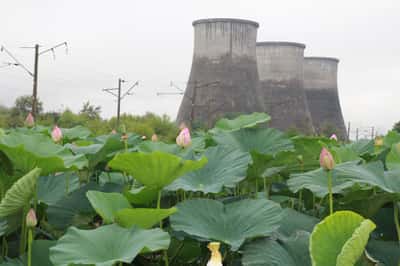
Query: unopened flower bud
154	138
29	121
31	220
333	137
183	139
326	160
56	134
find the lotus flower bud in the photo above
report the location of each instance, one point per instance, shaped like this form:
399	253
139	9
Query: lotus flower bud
113	132
216	258
183	139
56	134
326	160
124	137
378	141
144	137
334	137
154	138
31	220
29	121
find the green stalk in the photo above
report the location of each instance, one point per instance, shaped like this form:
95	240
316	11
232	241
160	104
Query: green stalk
256	188
22	245
158	207
330	192
396	219
30	240
300	199
4	247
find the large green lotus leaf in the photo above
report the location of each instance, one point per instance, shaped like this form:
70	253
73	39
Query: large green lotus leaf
141	217
20	193
343	176
292	251
225	168
152	146
230	223
99	152
262	140
393	158
294	221
52	188
107	204
40	255
340	239
106	245
386	252
242	121
363	146
392	137
141	195
35	150
113	177
75	133
154	170
72	206
366	202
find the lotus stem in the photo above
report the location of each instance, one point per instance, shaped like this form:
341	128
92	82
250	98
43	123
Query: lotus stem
4	248
30	240
300	199
330	192
396	219
255	194
22	245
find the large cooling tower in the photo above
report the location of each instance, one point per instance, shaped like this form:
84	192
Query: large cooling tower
223	79
280	69
320	83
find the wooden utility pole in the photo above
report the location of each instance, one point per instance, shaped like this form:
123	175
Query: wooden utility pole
35	80
34	75
119	96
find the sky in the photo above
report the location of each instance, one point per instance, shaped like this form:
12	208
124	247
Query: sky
152	42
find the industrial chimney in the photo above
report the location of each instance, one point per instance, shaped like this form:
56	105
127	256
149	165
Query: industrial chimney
223	79
320	83
280	69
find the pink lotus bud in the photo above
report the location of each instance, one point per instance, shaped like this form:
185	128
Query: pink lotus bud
326	160
334	137
31	220
29	121
183	139
56	134
154	138
124	137
113	132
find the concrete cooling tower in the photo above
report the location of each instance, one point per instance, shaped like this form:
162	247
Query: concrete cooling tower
280	70
223	79
320	83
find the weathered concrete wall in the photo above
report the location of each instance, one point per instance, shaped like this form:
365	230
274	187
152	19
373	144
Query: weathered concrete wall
280	69
320	83
224	52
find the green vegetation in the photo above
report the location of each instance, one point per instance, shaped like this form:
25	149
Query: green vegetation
250	194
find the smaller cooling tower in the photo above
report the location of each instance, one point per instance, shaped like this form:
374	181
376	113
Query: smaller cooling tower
320	83
223	78
280	70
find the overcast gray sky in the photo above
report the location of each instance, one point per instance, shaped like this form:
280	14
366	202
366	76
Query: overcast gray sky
152	41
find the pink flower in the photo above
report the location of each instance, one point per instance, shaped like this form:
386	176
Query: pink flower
334	137
113	132
326	160
56	134
31	220
29	121
154	138
183	139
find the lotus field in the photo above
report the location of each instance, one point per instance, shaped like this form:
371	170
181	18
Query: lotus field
240	193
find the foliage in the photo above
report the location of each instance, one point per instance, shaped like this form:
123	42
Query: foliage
105	198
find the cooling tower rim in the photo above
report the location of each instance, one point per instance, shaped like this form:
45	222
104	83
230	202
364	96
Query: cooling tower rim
280	43
234	20
322	58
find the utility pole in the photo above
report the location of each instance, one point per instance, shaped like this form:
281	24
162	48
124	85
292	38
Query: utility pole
34	75
372	132
356	134
118	95
348	131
